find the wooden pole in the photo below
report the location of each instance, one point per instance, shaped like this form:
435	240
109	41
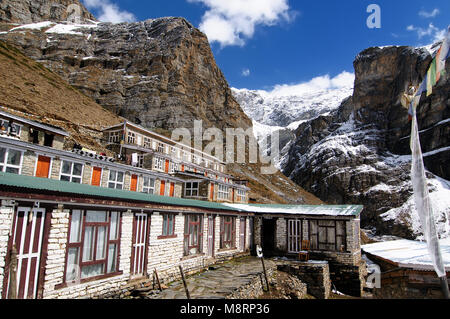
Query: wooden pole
12	293
184	283
157	280
265	274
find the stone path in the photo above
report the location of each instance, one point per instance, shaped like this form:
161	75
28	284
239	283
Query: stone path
218	283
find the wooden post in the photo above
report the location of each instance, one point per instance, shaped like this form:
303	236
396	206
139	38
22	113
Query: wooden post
157	279
265	274
184	283
12	293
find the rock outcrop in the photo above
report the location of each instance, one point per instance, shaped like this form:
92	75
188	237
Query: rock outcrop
360	152
159	73
31	11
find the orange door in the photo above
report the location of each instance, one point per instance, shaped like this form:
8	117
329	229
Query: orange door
162	189
167	166
43	166
96	176
134	181
182	168
212	191
172	189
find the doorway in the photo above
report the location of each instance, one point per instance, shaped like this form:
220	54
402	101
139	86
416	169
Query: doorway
268	236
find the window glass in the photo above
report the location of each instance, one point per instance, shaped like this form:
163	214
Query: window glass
88	244
95	217
75	227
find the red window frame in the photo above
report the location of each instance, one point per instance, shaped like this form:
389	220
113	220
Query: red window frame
228	232
192	222
80	245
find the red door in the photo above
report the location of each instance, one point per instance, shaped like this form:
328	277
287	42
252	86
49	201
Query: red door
172	189
96	176
43	166
134	182
28	233
139	249
162	188
212	191
167	166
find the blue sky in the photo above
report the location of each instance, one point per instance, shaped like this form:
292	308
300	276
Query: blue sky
264	44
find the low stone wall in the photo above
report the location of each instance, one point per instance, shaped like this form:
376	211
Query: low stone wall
256	287
315	275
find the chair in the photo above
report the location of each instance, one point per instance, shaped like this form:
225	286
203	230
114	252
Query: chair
303	255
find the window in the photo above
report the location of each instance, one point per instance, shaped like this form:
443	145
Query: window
160	148
10	128
240	197
115	179
147	142
159	163
191	189
294	235
93	244
171	168
114	137
131	138
327	235
10	160
227	232
71	172
168	225
193	235
48	139
223	192
149	185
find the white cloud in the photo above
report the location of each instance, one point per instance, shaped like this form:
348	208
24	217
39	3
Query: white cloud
317	84
245	72
109	12
431	31
231	22
431	14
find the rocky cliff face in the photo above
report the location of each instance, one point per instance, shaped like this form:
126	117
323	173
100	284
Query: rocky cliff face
31	11
159	73
359	153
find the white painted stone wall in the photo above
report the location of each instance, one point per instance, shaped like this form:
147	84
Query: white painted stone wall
6	221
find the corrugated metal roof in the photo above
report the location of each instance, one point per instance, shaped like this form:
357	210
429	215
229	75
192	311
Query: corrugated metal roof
319	210
44	184
409	253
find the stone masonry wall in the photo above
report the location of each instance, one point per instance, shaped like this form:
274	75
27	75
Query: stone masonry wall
6	221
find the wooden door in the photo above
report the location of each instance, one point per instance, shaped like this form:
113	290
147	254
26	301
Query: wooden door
212	191
134	182
242	229
172	190
182	167
28	234
162	188
166	169
211	228
43	166
139	248
96	176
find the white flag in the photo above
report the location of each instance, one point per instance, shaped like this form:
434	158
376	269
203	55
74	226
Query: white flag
422	200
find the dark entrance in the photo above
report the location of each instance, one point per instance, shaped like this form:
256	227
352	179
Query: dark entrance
268	236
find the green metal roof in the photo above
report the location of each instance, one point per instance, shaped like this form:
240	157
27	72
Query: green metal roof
45	184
